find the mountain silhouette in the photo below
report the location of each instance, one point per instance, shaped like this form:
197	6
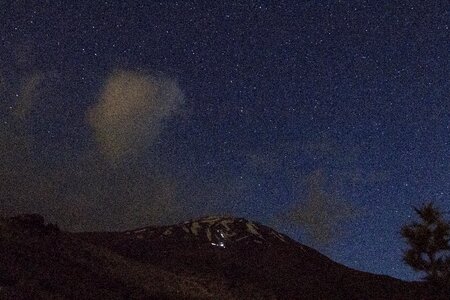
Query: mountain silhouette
212	257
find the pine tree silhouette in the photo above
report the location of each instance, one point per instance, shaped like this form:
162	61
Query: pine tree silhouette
429	243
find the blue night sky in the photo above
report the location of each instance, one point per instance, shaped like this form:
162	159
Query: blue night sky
327	120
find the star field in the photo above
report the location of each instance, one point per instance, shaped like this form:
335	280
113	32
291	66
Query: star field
327	120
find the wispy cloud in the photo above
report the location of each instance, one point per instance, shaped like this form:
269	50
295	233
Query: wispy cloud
131	112
28	93
320	212
87	192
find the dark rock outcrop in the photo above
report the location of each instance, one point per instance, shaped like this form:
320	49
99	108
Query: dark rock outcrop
34	223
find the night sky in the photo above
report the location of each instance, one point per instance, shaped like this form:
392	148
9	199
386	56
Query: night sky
326	120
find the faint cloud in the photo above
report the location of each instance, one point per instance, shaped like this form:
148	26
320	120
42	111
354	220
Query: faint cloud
23	55
320	148
321	213
131	112
274	157
158	206
29	91
103	198
87	192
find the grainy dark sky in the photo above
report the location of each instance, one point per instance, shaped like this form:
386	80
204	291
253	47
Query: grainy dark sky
324	119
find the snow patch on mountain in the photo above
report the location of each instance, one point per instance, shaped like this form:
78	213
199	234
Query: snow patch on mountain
214	230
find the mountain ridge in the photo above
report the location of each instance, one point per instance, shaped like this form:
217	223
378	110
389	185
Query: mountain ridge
245	252
218	231
203	258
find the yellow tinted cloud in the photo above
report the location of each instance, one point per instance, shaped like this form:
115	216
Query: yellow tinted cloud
131	112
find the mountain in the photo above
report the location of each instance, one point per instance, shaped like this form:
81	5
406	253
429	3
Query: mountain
252	259
205	258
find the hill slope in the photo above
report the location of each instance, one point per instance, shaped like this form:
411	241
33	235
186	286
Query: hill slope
38	261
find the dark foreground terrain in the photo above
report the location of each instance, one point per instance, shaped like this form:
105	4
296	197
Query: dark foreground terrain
207	258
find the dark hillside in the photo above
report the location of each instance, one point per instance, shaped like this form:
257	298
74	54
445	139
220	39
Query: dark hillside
38	261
